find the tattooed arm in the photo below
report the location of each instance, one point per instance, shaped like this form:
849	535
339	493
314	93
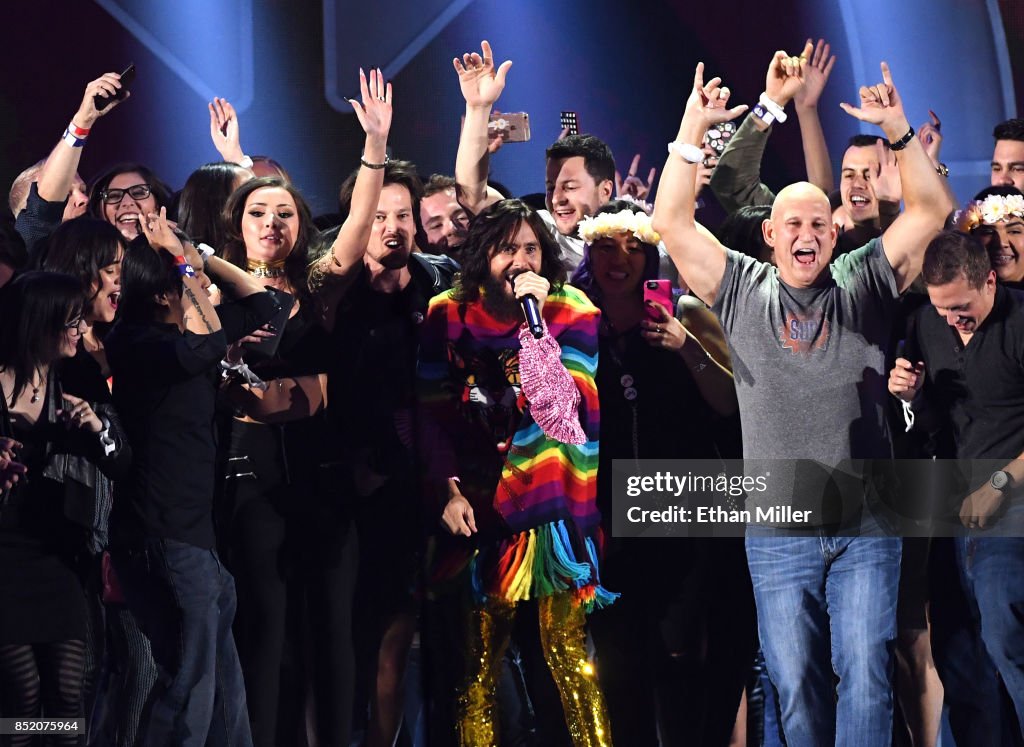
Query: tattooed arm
197	311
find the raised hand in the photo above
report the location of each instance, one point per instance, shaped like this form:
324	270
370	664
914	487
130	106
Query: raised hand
931	137
80	415
706	168
786	75
880	104
374	113
665	332
224	130
815	75
159	232
481	84
633	185
107	84
707	101
887	184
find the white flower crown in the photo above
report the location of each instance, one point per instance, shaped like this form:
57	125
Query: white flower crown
625	221
993	209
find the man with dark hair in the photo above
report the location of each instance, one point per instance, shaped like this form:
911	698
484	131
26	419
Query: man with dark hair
967	381
373	290
512	424
1008	154
443	219
165	352
579	172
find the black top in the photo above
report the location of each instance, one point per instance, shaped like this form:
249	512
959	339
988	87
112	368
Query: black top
38	220
975	392
672	419
373	374
165	388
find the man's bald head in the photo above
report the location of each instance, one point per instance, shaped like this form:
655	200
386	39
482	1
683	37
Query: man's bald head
799	191
801	234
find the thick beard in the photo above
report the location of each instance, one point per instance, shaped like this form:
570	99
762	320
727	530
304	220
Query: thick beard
499	303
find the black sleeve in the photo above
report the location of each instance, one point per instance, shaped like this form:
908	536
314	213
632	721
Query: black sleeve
37	221
116	465
239	318
164	356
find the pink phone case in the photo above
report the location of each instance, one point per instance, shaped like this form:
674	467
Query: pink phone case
660	291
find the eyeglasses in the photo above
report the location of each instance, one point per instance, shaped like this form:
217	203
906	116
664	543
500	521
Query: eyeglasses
75	325
136	192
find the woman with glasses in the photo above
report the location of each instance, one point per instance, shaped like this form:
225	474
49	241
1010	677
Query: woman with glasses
46	517
125	194
92	250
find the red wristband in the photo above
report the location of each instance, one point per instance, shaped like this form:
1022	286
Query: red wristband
77	131
180	260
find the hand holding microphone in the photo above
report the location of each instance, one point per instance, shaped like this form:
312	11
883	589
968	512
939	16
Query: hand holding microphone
531	290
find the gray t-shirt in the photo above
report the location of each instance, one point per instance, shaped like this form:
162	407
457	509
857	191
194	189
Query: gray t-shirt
809	363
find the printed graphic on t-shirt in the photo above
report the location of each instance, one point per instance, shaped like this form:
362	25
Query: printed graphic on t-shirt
802	334
491	390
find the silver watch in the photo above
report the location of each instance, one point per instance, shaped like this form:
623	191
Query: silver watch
1001	480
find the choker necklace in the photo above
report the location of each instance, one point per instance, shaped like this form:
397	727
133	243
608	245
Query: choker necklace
260	269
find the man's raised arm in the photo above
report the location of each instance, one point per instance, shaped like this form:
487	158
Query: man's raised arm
481	86
59	172
925	198
374	114
697	255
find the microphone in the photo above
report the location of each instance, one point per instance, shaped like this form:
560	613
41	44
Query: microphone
531	312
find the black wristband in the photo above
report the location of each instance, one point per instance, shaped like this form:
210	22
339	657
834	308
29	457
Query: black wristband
903	141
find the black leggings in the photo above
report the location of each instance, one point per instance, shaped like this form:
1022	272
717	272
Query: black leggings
293	556
49	674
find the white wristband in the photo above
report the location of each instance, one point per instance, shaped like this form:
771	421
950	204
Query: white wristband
689	153
775	109
245	162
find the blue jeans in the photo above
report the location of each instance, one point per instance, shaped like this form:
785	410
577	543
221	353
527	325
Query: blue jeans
992	572
184	600
826	607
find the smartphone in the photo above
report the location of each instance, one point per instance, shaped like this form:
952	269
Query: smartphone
660	291
570	121
719	136
102	101
267	347
514	127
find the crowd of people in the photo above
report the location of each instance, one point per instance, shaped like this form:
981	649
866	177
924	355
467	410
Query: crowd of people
270	479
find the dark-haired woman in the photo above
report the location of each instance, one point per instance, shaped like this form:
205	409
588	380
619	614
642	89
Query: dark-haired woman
92	250
285	541
201	201
45	520
124	194
659	654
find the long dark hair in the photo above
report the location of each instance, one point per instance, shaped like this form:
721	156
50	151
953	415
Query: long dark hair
583	277
296	265
81	248
145	274
487	231
202	200
34	309
161	192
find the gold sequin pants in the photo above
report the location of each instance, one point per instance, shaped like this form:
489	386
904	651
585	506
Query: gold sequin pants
563	640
